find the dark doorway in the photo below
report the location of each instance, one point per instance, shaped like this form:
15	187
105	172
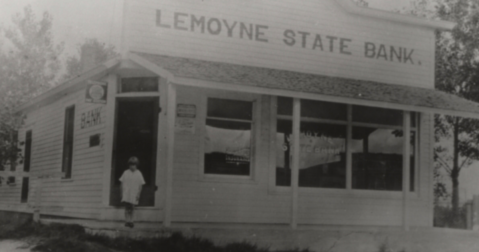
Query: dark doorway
136	126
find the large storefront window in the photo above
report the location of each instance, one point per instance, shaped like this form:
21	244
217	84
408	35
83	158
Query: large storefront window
322	142
228	137
376	145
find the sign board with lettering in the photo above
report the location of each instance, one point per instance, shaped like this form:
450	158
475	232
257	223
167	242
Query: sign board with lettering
185	118
309	36
96	92
91	118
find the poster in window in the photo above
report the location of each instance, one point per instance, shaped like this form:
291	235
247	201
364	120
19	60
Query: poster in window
185	118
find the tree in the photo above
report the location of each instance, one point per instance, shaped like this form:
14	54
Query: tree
361	3
29	65
457	72
100	52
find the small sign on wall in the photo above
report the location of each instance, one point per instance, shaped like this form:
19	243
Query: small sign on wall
185	118
96	92
91	118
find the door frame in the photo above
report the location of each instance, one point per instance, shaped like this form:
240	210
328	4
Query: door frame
156	138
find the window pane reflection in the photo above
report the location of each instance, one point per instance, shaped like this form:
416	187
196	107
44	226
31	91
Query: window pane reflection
227	147
322	154
377	158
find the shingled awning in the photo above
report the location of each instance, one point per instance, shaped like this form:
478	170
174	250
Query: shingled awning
304	85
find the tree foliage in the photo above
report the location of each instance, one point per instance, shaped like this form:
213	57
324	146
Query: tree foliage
98	51
361	3
29	65
457	72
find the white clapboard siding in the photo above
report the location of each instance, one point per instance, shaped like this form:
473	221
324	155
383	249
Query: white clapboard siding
326	18
79	196
197	198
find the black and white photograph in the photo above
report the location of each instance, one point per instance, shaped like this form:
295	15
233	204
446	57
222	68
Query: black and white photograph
239	125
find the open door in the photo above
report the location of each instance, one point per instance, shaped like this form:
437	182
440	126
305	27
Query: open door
136	125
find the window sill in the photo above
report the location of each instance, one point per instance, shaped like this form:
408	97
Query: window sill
228	179
136	208
356	193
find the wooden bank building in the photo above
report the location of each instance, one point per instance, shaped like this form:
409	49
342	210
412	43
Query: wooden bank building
284	113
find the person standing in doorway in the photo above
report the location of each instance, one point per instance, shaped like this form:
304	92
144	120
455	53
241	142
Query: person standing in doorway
131	184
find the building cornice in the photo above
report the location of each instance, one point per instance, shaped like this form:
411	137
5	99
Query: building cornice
350	7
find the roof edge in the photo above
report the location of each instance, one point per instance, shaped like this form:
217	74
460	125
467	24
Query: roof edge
351	7
185	81
67	85
138	59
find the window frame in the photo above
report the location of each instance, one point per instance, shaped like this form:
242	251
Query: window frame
254	141
27	152
67	168
138	92
310	120
274	189
414	129
25	191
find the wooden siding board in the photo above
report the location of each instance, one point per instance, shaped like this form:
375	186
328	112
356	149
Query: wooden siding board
79	196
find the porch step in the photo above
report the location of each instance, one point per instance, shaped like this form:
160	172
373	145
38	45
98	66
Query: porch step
115	228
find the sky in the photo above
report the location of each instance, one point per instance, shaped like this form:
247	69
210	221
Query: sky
76	20
73	20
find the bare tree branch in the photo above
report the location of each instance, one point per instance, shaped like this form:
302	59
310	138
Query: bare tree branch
444	164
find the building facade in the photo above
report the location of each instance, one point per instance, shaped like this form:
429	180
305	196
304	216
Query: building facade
264	112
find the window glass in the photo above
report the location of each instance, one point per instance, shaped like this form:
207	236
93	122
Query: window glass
143	84
322	145
323	110
25	189
68	141
232	109
228	137
283	152
285	106
314	109
377	146
377	158
377	115
322	155
28	151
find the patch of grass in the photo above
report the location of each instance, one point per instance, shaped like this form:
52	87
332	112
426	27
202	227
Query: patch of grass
385	248
54	230
66	237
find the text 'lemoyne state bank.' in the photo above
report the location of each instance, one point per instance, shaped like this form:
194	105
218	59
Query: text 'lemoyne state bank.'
294	38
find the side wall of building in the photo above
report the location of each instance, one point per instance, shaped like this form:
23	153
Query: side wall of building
80	195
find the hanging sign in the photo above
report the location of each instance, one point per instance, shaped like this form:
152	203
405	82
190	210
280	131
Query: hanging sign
96	92
185	118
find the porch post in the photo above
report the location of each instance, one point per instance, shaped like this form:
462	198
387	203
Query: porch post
295	162
349	149
170	136
406	159
108	143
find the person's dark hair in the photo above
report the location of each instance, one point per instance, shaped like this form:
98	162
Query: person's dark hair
134	160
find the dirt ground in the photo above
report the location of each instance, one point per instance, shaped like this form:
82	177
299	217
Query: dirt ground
425	240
